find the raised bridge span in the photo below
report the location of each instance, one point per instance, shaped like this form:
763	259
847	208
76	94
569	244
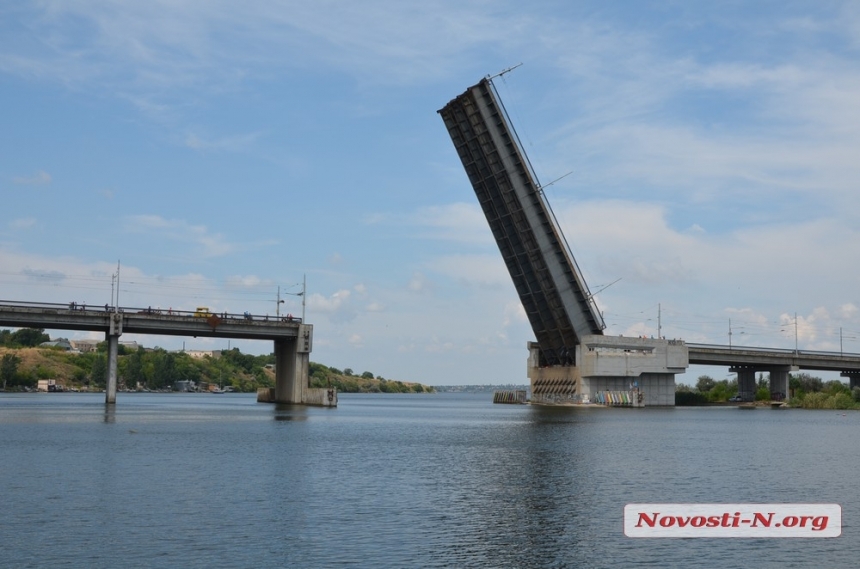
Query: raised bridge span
572	360
292	338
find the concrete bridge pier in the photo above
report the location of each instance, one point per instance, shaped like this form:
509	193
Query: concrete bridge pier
110	384
853	378
292	378
289	368
779	381
746	382
112	337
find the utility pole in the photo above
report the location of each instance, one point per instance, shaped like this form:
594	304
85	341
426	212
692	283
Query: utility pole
116	305
795	333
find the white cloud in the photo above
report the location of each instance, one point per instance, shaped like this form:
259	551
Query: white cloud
459	222
419	283
23	223
337	307
180	231
483	271
40	178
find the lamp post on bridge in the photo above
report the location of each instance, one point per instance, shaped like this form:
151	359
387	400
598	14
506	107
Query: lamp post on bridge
301	294
795	334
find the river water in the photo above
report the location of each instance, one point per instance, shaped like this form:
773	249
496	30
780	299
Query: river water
419	480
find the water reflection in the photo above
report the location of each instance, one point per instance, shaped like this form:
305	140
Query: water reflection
110	413
289	412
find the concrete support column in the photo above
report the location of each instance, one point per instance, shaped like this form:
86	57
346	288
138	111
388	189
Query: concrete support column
110	383
853	378
288	387
746	383
779	383
292	373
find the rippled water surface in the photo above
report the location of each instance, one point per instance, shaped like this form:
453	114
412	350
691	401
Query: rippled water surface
446	480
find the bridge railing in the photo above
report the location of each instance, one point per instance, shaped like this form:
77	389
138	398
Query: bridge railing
74	307
578	276
776	351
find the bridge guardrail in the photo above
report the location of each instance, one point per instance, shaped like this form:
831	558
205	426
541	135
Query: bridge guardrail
148	311
780	351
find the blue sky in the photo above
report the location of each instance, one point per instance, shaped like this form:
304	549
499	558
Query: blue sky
220	150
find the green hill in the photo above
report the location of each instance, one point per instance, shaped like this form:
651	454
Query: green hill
158	369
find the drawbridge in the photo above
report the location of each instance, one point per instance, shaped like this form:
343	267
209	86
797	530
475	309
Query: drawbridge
562	312
556	299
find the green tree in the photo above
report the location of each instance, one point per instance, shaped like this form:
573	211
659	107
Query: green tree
805	383
29	337
8	368
723	390
834	387
134	367
367	375
98	375
236	358
705	383
164	369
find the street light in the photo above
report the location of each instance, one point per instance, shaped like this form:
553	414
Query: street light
278	305
795	333
301	294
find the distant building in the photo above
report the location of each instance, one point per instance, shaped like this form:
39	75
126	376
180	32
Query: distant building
47	385
184	385
58	343
200	354
85	346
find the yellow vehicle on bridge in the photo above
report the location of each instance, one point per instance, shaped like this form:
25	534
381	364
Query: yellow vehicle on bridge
202	312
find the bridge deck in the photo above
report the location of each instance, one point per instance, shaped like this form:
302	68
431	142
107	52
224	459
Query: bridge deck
147	321
554	294
763	358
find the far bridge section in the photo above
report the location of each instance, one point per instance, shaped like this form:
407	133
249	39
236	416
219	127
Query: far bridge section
747	361
556	299
292	338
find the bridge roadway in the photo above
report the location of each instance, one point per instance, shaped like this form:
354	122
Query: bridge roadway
292	338
743	356
146	321
747	361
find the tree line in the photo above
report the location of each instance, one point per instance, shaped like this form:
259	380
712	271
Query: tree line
805	390
158	369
